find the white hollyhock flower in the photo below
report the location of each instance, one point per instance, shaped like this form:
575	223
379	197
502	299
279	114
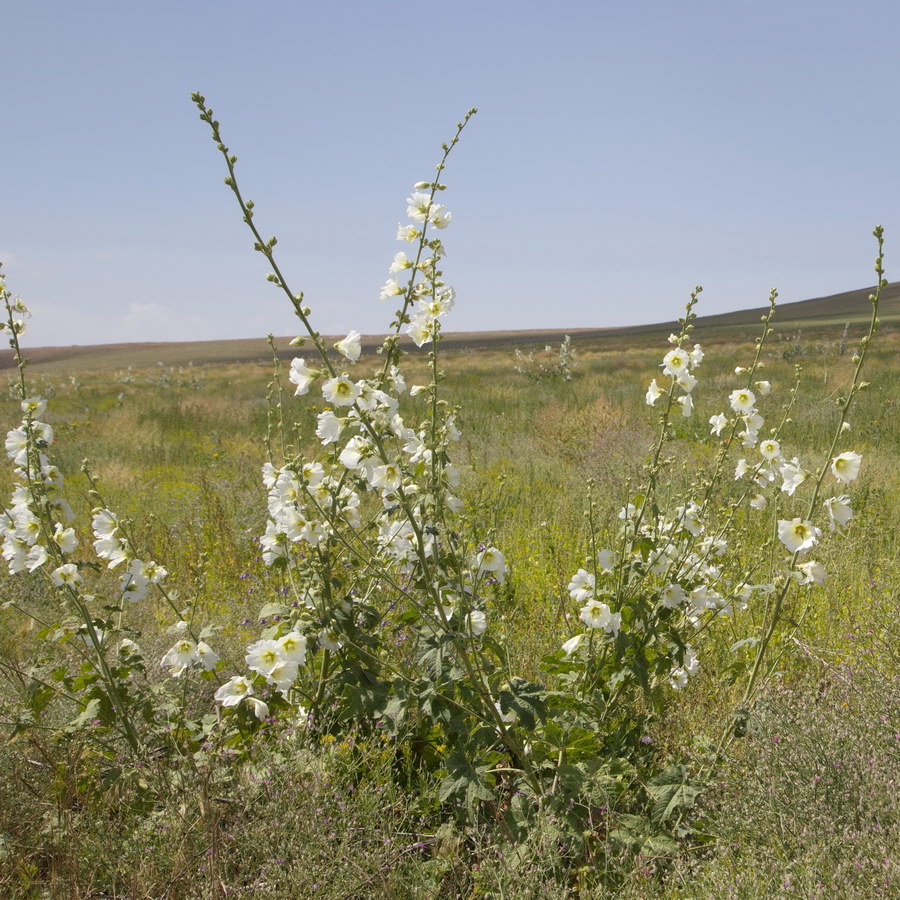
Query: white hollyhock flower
689	518
387	477
839	511
419	206
696	356
763	387
654	392
233	691
813	573
420	330
301	375
65	538
440	216
104	524
797	535
407	233
17	445
34	405
572	644
476	622
770	449
687	405
678	679
283	675
328	427
180	656
330	640
741	469
675	363
340	391
672	595
491	560
66	575
742	401
582	586
718	423
607	560
273	543
846	466
292	647
596	614
759	502
350	346
264	656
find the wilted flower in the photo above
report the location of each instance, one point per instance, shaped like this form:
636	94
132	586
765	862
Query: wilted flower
687	405
607	560
259	708
813	573
839	511
654	392
718	423
792	476
301	375
328	428
572	644
391	288
206	656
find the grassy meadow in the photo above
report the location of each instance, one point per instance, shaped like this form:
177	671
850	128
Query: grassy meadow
805	805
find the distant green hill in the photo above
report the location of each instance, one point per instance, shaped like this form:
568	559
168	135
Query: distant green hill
822	315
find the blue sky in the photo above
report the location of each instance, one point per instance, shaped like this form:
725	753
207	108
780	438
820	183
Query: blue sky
624	152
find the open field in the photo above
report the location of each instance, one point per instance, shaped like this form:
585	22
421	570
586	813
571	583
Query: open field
806	803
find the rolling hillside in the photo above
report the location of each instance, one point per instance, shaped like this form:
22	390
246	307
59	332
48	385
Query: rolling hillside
821	315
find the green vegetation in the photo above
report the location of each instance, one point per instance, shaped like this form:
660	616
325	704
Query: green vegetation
459	622
181	457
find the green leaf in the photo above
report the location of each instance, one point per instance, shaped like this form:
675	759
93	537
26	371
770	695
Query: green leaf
672	792
274	609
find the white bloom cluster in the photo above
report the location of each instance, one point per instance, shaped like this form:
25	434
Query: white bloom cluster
433	298
25	539
110	545
679	365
